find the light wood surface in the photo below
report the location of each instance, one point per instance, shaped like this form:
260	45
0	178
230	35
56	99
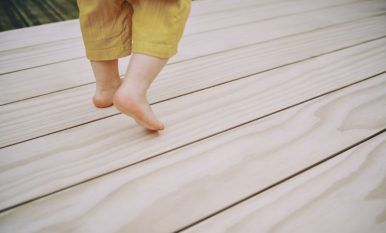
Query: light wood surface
74	107
259	92
177	188
40	34
50	53
65	49
79	149
53	32
347	188
55	77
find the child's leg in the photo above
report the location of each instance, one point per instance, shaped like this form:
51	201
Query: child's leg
106	33
157	26
107	82
131	99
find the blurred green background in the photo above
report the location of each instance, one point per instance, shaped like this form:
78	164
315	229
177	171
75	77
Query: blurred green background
24	13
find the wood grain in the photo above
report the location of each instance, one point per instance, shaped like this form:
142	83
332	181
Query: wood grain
59	76
70	29
185	185
72	47
45	33
56	161
49	53
18	121
50	78
349	186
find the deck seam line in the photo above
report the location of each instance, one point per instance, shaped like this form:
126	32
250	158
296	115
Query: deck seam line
188	59
71	38
187	144
77	37
195	91
284	179
121	76
283	16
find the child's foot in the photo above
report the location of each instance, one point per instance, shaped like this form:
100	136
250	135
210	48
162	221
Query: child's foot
135	105
103	97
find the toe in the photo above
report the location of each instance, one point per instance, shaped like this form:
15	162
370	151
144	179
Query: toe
138	108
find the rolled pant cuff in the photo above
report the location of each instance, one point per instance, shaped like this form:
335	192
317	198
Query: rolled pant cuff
108	53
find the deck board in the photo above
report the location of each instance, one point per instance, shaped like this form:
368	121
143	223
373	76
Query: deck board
76	72
348	186
274	87
72	107
79	149
50	53
167	193
70	48
53	32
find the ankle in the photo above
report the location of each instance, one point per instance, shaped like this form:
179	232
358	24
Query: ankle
134	87
108	84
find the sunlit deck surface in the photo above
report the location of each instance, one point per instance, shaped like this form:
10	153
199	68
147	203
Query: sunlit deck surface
275	114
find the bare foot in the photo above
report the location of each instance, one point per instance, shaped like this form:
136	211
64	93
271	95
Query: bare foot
135	105
103	97
107	81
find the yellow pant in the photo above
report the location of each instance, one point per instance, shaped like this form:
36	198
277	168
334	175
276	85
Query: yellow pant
115	28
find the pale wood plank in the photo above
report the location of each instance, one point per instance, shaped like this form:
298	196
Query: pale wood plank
214	6
177	188
19	121
62	31
49	53
256	12
46	164
69	29
349	186
46	79
276	27
44	33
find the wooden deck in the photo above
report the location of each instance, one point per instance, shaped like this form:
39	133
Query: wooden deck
275	114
